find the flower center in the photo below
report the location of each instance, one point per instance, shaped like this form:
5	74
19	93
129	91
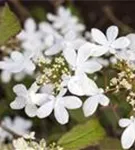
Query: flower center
52	71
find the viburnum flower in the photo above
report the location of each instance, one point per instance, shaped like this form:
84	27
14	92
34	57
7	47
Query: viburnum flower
128	53
18	125
64	21
96	97
128	136
18	62
80	62
30	32
108	42
49	34
69	40
27	98
59	104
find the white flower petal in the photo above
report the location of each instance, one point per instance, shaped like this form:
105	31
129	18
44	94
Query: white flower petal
70	56
30	25
103	100
18	103
84	53
46	109
128	137
98	50
30	67
124	122
112	33
120	43
31	110
90	106
70	35
75	86
55	49
6	76
78	43
131	37
34	87
51	17
81	85
20	90
72	102
98	36
61	114
17	56
91	66
38	98
62	92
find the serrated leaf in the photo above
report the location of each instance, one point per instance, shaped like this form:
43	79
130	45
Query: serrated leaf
83	135
110	144
9	24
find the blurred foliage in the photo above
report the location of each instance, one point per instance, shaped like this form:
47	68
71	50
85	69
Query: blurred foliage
9	24
83	135
89	131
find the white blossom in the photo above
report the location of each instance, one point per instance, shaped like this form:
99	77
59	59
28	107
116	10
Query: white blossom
30	32
27	99
18	62
69	40
80	62
96	97
64	21
128	53
18	126
109	42
128	136
59	104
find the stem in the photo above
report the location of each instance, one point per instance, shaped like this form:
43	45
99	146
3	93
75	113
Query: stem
20	10
110	90
110	15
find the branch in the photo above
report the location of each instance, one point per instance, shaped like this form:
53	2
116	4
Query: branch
110	15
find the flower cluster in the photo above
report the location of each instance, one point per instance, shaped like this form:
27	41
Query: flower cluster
18	126
61	61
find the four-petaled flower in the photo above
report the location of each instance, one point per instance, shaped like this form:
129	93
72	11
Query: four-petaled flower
59	104
128	136
18	62
27	98
80	62
108	42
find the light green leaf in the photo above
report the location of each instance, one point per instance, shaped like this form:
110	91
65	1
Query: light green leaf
83	135
9	24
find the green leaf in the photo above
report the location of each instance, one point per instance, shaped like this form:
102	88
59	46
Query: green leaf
78	115
9	24
83	135
110	144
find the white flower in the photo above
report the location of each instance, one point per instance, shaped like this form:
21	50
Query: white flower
128	53
109	42
18	62
69	40
80	62
96	98
30	32
49	34
19	126
128	136
59	104
27	99
31	39
64	21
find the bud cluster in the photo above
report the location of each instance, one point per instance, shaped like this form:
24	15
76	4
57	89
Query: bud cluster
52	71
